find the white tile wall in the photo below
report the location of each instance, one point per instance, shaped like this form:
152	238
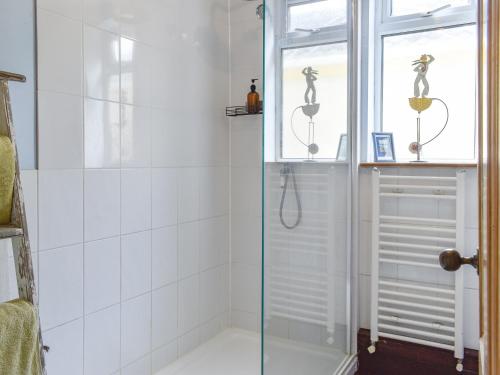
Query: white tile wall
60	199
102	134
102	204
164	355
135	329
189	304
60	114
164	196
101	64
66	348
136	136
134	176
164	315
246	150
104	14
164	256
60	63
61	285
136	264
189	249
136	200
102	341
102	266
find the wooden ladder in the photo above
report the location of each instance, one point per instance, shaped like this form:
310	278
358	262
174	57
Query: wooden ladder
17	230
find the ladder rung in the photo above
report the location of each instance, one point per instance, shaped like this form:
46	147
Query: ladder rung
10	232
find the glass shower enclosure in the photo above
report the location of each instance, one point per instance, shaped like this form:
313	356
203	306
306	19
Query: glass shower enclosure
309	122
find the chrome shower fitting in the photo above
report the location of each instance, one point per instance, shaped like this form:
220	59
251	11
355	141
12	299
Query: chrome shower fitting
285	173
259	11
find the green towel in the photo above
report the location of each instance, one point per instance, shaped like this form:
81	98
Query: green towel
7	172
19	344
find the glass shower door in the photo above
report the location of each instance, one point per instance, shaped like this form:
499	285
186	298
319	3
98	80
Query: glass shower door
306	189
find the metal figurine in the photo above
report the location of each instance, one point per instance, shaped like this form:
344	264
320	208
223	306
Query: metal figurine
310	79
421	68
310	109
420	102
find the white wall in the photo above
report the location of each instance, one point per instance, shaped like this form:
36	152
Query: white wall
129	211
17	18
246	181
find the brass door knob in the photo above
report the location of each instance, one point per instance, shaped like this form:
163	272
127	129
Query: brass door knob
451	260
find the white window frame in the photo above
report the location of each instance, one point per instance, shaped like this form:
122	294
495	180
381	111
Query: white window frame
378	24
289	40
387	25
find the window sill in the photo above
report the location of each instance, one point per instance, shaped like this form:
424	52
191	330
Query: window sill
420	165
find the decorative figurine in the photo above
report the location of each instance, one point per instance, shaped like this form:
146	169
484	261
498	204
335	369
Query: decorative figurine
310	109
422	67
420	102
310	79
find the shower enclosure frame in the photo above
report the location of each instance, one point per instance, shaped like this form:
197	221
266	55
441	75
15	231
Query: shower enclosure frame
271	152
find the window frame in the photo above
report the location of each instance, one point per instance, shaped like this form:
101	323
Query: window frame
289	40
376	24
384	24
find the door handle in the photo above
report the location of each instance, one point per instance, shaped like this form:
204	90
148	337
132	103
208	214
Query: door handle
451	260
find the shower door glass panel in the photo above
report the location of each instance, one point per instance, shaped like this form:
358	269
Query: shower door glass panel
306	203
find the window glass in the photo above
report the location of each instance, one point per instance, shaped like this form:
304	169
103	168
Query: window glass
330	63
403	7
451	77
316	14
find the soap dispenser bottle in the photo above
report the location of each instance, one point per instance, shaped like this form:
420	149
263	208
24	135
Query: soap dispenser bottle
253	99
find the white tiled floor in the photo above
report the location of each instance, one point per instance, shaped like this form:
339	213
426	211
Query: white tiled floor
237	352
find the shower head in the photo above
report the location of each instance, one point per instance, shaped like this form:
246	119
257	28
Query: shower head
259	11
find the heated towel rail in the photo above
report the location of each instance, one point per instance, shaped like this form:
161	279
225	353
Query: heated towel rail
300	263
412	298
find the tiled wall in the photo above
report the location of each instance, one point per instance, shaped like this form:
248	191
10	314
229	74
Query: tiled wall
471	292
132	190
246	151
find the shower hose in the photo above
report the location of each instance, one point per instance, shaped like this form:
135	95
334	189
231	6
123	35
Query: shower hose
288	171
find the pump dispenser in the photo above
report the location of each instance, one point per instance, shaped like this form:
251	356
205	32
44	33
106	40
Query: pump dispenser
253	99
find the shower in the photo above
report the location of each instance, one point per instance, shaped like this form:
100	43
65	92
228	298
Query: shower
286	172
259	11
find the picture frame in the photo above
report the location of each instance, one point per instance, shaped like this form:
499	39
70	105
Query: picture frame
383	147
342	148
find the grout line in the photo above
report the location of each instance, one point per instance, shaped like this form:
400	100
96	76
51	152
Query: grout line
151	237
82	88
230	178
178	182
121	365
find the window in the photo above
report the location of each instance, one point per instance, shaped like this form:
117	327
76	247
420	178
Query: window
313	15
330	61
313	34
405	7
313	57
404	32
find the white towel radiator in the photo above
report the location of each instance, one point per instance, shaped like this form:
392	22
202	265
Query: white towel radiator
412	298
300	263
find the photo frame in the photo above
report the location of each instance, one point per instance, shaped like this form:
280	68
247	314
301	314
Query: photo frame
342	148
383	147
